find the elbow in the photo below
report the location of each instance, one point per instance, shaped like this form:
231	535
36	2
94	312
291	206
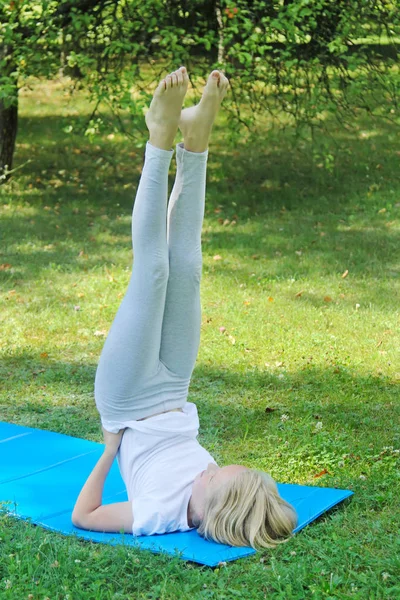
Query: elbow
77	521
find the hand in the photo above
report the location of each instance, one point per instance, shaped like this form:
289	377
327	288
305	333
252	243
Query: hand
112	440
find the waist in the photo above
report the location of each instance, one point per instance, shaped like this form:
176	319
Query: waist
161	413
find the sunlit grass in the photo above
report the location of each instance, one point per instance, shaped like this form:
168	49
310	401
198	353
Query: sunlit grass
300	298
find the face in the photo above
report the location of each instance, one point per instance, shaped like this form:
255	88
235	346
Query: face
208	481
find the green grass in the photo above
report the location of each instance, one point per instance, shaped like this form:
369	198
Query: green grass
299	339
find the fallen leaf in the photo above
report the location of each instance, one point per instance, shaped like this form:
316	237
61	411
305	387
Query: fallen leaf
44	355
246	302
382	211
226	222
323	472
279	364
232	339
270	299
379	344
109	275
255	256
5	266
217	211
217	257
345	273
101	333
222	329
299	294
269	409
298	252
327	299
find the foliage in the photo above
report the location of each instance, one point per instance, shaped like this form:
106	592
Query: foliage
300	58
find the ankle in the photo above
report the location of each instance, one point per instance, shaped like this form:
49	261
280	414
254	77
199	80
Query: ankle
195	146
161	141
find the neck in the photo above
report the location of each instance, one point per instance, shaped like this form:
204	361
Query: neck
190	514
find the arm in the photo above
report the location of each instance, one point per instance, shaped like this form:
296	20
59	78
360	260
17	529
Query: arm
88	512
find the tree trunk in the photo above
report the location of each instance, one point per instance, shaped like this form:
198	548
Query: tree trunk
221	49
8	122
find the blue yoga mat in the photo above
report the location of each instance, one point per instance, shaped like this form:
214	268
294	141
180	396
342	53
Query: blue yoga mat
42	474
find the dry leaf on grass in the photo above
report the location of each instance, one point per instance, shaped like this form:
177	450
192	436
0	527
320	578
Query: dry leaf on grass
323	472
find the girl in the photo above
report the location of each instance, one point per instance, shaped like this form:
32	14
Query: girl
144	371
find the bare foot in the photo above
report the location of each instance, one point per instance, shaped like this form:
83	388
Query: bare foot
162	118
196	121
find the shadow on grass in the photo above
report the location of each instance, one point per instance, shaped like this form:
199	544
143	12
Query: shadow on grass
59	396
86	200
369	254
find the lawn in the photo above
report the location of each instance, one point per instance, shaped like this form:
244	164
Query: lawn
298	370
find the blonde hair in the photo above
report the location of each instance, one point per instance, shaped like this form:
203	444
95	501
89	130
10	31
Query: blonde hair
248	511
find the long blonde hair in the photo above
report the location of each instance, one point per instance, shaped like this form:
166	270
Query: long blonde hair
248	511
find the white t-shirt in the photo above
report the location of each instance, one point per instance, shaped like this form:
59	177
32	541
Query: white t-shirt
159	459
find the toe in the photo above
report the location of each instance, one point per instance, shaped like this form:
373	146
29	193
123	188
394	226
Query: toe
179	76
162	86
214	78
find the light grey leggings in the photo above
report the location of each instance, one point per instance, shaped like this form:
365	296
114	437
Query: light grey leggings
151	349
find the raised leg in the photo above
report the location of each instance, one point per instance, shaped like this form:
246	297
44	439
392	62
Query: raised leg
182	318
131	351
129	363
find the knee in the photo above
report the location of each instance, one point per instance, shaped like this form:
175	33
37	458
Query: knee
189	267
159	269
155	267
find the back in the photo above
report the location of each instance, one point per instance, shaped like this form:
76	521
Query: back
159	459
